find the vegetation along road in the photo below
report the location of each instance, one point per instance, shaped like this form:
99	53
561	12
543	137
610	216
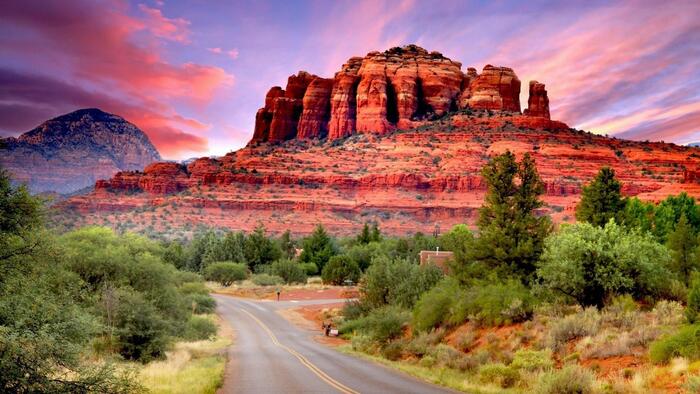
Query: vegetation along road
273	356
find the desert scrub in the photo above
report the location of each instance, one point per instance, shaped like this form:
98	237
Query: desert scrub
435	306
266	280
499	374
570	379
381	325
532	360
668	313
494	304
684	343
578	325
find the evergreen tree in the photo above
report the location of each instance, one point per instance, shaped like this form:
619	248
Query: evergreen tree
318	248
683	243
376	234
287	245
364	236
692	310
601	200
259	249
511	234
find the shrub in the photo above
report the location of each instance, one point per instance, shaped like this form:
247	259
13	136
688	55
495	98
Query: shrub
199	328
141	332
591	264
571	379
434	307
466	341
423	342
532	360
381	325
309	268
193	288
668	312
339	269
685	343
396	282
581	324
203	303
494	304
363	343
392	351
289	270
266	280
225	272
499	374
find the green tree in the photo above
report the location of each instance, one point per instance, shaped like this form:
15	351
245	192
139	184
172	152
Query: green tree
376	234
511	234
683	244
692	310
591	264
669	212
318	248
397	282
260	250
639	214
289	270
287	245
339	269
364	236
175	254
226	272
601	200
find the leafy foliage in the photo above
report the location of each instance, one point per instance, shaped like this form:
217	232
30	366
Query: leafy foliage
226	272
339	269
318	248
591	264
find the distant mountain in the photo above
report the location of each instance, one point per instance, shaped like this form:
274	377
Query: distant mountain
694	144
72	151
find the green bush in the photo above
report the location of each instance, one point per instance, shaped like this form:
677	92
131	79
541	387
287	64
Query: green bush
685	343
199	328
141	332
381	325
532	360
435	306
392	350
225	272
309	268
493	304
193	288
572	379
289	270
499	374
339	269
592	264
396	282
203	303
266	280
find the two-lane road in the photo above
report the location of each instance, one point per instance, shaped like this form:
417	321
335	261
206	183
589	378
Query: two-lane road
271	355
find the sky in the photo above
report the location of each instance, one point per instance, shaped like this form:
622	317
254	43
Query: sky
192	74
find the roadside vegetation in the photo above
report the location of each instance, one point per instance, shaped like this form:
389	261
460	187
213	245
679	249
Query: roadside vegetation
90	310
609	304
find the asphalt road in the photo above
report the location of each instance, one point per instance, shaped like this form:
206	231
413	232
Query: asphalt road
270	355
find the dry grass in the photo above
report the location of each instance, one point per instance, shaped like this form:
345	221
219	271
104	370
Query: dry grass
190	368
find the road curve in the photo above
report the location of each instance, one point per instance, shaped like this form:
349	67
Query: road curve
273	356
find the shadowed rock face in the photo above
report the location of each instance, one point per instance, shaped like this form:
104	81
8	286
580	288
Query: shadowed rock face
72	151
383	91
538	103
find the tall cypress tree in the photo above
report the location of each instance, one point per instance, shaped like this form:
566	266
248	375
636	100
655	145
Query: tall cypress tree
511	234
683	243
601	200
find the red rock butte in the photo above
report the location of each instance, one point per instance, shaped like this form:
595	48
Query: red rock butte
400	88
397	137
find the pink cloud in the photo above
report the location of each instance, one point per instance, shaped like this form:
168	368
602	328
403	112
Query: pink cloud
163	27
233	53
215	50
99	47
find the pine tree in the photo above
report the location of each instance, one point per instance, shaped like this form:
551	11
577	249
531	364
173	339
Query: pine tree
364	236
601	200
511	235
318	248
692	310
683	243
376	234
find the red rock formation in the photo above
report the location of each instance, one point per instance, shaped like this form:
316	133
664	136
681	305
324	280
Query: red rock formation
344	100
496	88
297	84
263	117
313	122
285	116
537	102
204	170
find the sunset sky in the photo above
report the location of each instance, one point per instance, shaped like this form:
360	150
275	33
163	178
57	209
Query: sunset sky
191	74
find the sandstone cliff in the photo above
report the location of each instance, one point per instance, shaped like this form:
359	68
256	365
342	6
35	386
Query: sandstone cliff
400	88
72	151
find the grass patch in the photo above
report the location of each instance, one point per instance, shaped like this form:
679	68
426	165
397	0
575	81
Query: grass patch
190	368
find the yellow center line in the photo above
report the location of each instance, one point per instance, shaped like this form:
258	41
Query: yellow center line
317	371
